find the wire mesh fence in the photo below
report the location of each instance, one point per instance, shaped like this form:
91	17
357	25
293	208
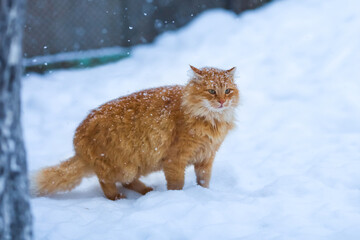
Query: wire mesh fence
76	26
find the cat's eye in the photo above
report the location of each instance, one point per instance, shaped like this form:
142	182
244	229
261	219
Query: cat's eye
227	91
212	91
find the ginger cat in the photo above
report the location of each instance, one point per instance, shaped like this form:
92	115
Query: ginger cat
165	128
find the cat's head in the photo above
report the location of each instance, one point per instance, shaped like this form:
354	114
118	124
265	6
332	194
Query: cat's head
212	93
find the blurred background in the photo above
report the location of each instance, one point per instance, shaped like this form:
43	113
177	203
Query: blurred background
83	33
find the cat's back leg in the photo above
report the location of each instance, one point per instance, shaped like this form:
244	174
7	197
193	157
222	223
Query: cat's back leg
138	186
109	173
110	190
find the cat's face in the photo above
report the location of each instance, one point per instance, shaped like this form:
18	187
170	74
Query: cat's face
212	90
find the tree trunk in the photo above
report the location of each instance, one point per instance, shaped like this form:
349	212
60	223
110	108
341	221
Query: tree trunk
15	216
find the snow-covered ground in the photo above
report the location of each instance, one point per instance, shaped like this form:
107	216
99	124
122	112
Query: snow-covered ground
291	169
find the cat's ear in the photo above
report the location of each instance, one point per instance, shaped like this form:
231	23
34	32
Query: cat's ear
197	72
231	71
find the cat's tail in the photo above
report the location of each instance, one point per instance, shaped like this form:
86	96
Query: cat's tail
63	177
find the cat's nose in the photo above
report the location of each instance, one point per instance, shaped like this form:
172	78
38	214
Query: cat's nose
221	101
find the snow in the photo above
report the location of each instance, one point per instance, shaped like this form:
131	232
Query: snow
71	56
15	51
290	170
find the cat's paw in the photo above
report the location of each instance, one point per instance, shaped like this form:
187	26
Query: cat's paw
146	190
116	197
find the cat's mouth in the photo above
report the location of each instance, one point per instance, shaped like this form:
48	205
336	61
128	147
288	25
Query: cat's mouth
222	105
216	107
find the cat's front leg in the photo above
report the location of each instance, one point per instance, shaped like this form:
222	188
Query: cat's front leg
203	172
174	173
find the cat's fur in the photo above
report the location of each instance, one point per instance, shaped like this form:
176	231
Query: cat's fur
165	128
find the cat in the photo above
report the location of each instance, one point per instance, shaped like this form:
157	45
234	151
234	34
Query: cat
165	128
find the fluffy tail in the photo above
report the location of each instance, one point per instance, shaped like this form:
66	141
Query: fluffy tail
63	177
